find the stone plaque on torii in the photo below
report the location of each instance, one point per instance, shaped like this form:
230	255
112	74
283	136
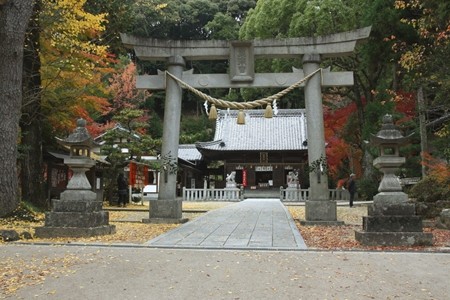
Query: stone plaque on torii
241	55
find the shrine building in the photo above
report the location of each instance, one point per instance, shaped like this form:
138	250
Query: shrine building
262	151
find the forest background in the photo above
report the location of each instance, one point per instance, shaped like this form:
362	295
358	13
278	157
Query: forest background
62	60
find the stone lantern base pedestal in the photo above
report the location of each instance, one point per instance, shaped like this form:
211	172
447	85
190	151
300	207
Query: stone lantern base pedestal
391	221
76	214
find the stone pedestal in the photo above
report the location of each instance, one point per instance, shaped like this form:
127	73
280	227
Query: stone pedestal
231	185
321	212
391	221
165	211
76	214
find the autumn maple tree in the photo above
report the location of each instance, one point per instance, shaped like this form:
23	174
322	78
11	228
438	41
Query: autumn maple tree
343	156
65	79
74	65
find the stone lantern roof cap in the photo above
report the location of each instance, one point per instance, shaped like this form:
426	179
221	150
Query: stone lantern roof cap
80	136
389	133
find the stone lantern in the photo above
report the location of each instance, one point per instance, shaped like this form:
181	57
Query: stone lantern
391	219
80	143
389	139
77	213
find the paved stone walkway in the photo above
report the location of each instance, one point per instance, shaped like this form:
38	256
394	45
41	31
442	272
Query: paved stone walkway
250	224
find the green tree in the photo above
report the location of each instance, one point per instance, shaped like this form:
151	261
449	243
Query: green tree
119	18
229	19
124	143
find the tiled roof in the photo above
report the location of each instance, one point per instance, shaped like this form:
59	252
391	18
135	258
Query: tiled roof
189	152
285	131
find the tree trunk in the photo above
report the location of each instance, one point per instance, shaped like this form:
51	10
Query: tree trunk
31	167
14	17
423	128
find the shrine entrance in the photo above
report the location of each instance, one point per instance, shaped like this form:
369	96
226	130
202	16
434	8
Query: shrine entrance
241	55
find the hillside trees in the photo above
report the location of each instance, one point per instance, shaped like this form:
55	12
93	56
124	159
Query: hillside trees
424	62
14	17
425	67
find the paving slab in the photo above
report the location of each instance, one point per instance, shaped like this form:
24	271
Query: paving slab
250	224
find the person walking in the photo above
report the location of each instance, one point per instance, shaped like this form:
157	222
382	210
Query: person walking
351	186
122	187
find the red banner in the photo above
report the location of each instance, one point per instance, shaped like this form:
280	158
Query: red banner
244	177
132	174
145	175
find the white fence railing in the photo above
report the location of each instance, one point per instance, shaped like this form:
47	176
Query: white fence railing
299	195
212	194
294	195
286	195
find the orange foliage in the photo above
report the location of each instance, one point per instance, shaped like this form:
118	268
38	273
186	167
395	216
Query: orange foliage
406	104
123	89
96	129
338	150
438	169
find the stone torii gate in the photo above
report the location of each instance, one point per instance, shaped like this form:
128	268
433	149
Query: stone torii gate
241	55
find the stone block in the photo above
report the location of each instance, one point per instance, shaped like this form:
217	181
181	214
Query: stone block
392	224
51	232
26	235
165	209
390	198
321	212
76	219
86	195
165	220
76	205
9	235
400	209
394	238
444	219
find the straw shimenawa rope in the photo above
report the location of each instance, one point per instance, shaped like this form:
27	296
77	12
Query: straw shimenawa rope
242	105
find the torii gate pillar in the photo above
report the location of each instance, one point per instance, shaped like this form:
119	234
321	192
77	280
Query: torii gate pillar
318	209
168	209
